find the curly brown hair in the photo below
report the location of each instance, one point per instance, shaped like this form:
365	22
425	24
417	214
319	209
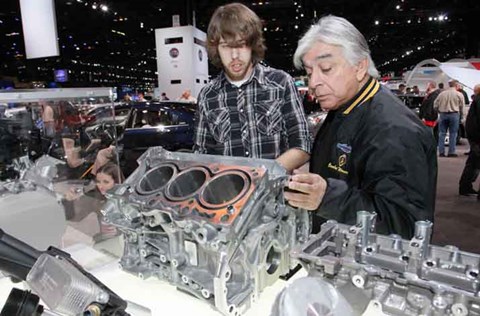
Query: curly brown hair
231	20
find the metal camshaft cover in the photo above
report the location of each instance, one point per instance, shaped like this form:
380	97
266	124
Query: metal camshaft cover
388	275
216	227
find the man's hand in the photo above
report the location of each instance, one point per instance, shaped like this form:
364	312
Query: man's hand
310	189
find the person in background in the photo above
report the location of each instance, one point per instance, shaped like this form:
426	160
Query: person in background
187	97
163	97
415	90
141	97
372	153
249	110
79	205
465	95
48	118
449	103
472	165
427	113
441	86
402	89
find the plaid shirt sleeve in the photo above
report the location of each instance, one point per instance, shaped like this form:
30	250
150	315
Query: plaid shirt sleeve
202	133
294	116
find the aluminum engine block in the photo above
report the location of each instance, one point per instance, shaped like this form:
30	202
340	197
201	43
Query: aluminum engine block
215	227
388	275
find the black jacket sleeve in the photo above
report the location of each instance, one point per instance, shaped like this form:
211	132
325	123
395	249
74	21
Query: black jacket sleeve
395	169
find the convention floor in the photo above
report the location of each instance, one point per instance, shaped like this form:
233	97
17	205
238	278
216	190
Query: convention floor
457	218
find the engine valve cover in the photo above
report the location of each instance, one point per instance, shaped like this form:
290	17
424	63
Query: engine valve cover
216	227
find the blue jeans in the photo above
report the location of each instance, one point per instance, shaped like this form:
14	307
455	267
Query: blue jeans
450	122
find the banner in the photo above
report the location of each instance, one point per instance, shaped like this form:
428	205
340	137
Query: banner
39	28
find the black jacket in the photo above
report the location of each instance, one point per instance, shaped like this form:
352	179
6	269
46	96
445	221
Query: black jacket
376	155
427	111
472	123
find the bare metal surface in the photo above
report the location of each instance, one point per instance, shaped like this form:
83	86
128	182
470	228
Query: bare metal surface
387	275
215	227
29	207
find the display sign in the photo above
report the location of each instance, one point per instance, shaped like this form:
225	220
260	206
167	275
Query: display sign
61	75
39	28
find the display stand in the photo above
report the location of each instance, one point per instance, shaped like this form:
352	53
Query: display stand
159	296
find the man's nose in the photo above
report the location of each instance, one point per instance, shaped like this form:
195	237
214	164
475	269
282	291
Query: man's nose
234	52
315	81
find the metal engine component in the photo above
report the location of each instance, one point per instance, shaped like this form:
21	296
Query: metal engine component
216	227
29	207
43	172
388	275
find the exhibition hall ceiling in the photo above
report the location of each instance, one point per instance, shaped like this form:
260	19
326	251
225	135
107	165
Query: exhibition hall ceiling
121	32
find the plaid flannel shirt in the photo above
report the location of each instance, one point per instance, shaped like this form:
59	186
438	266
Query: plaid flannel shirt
262	118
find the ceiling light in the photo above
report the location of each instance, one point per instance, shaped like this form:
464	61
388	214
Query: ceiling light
104	8
94	6
397	7
377	22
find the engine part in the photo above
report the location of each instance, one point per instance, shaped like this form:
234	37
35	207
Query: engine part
64	286
310	296
216	227
29	207
43	172
22	303
388	275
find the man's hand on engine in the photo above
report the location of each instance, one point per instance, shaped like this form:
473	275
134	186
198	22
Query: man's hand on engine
308	190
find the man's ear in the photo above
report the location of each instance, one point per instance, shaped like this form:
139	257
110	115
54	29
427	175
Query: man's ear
362	68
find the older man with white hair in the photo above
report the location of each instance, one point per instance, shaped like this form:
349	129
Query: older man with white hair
372	153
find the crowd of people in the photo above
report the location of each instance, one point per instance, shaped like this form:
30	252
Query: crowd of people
444	108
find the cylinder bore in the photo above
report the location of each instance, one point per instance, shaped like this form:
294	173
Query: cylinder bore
224	189
186	183
155	179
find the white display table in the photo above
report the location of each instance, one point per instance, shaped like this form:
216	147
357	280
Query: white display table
159	296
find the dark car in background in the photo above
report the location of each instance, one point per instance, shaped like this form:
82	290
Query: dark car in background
166	123
105	122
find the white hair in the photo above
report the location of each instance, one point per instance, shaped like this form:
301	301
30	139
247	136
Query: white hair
334	30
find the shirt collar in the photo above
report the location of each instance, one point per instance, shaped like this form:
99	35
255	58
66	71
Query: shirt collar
258	74
369	89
